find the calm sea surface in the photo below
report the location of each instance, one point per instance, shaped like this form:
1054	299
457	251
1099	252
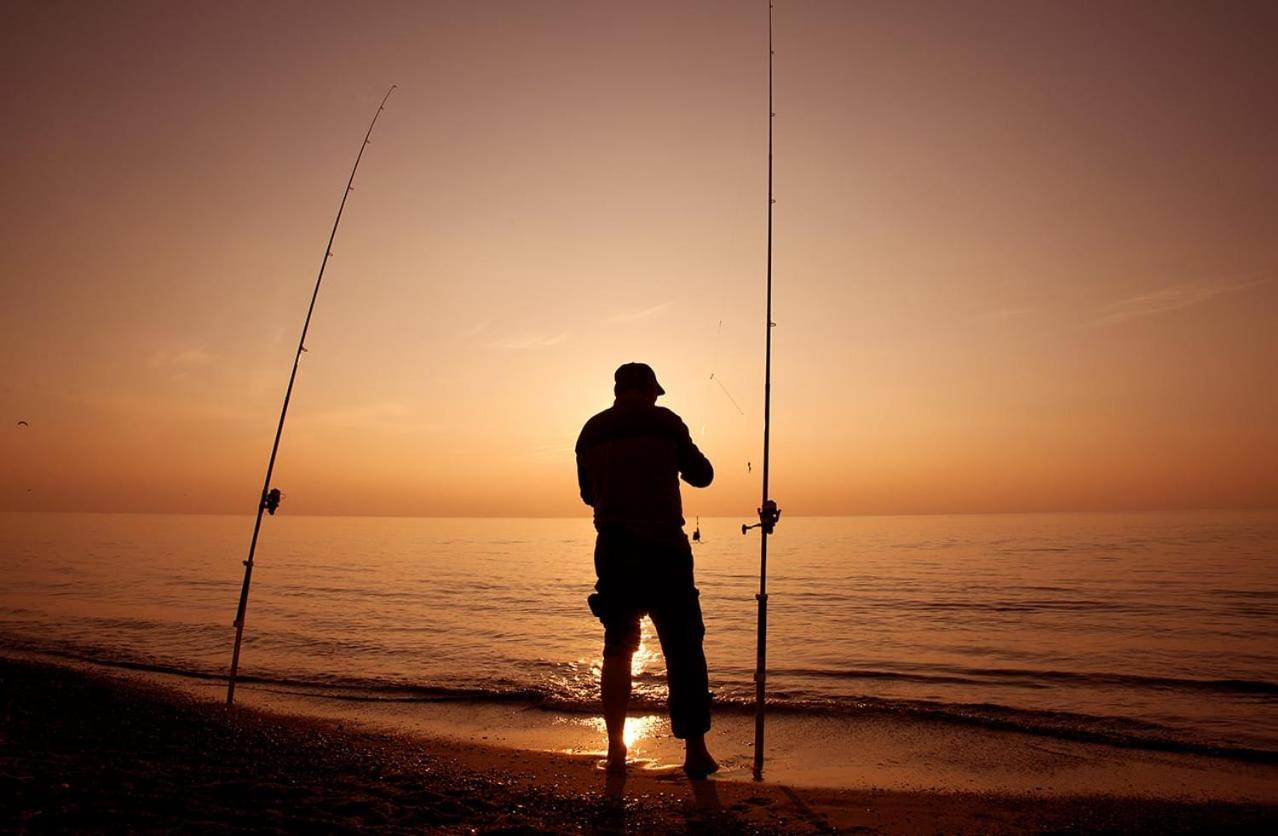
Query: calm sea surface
1153	629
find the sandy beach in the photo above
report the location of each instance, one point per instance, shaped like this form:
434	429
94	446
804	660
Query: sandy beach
86	750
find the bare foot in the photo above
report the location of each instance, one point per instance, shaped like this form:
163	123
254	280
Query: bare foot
698	763
616	758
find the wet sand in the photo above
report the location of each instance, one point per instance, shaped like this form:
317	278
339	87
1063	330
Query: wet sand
88	751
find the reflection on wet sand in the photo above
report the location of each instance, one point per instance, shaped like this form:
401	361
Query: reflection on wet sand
638	730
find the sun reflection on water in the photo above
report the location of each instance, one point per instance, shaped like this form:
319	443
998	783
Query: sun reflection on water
645	658
647	666
638	729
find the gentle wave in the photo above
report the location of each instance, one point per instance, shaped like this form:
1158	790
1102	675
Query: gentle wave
1043	678
1114	731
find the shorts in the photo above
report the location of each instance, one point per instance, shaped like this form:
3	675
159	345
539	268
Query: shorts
639	577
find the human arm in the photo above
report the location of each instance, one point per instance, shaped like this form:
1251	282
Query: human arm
694	467
583	482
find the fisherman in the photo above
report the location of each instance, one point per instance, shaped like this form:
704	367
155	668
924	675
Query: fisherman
629	460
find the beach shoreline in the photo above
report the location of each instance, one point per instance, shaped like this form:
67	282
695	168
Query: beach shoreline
92	750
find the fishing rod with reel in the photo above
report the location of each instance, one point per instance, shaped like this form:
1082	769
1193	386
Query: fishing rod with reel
269	501
769	513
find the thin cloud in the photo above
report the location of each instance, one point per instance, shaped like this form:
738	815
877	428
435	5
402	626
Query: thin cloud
173	408
185	359
477	329
634	316
1001	314
1166	299
381	415
363	413
532	343
550	451
178	364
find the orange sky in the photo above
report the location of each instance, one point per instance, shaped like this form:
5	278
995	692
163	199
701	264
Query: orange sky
1025	252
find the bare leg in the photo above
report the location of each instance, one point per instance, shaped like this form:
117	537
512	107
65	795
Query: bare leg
697	762
615	686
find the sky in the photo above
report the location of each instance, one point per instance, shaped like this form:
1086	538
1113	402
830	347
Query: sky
1024	252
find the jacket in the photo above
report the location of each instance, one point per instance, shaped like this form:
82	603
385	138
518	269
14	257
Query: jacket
630	458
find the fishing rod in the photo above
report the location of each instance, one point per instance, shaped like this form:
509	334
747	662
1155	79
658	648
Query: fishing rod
769	513
270	498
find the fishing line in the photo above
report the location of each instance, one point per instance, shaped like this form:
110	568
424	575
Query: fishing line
715	379
269	500
705	397
705	407
726	392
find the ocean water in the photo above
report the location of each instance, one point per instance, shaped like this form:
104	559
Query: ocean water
1150	630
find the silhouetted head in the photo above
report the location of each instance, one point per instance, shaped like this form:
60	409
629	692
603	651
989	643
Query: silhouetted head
637	380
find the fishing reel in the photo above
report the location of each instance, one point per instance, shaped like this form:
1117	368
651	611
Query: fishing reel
271	500
769	516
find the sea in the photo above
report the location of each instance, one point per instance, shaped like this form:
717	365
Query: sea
1151	630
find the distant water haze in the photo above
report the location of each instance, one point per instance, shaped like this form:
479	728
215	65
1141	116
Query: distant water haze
1144	629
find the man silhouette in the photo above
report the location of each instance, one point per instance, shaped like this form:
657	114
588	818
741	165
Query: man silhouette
629	460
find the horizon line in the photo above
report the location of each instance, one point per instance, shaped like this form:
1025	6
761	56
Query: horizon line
584	517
